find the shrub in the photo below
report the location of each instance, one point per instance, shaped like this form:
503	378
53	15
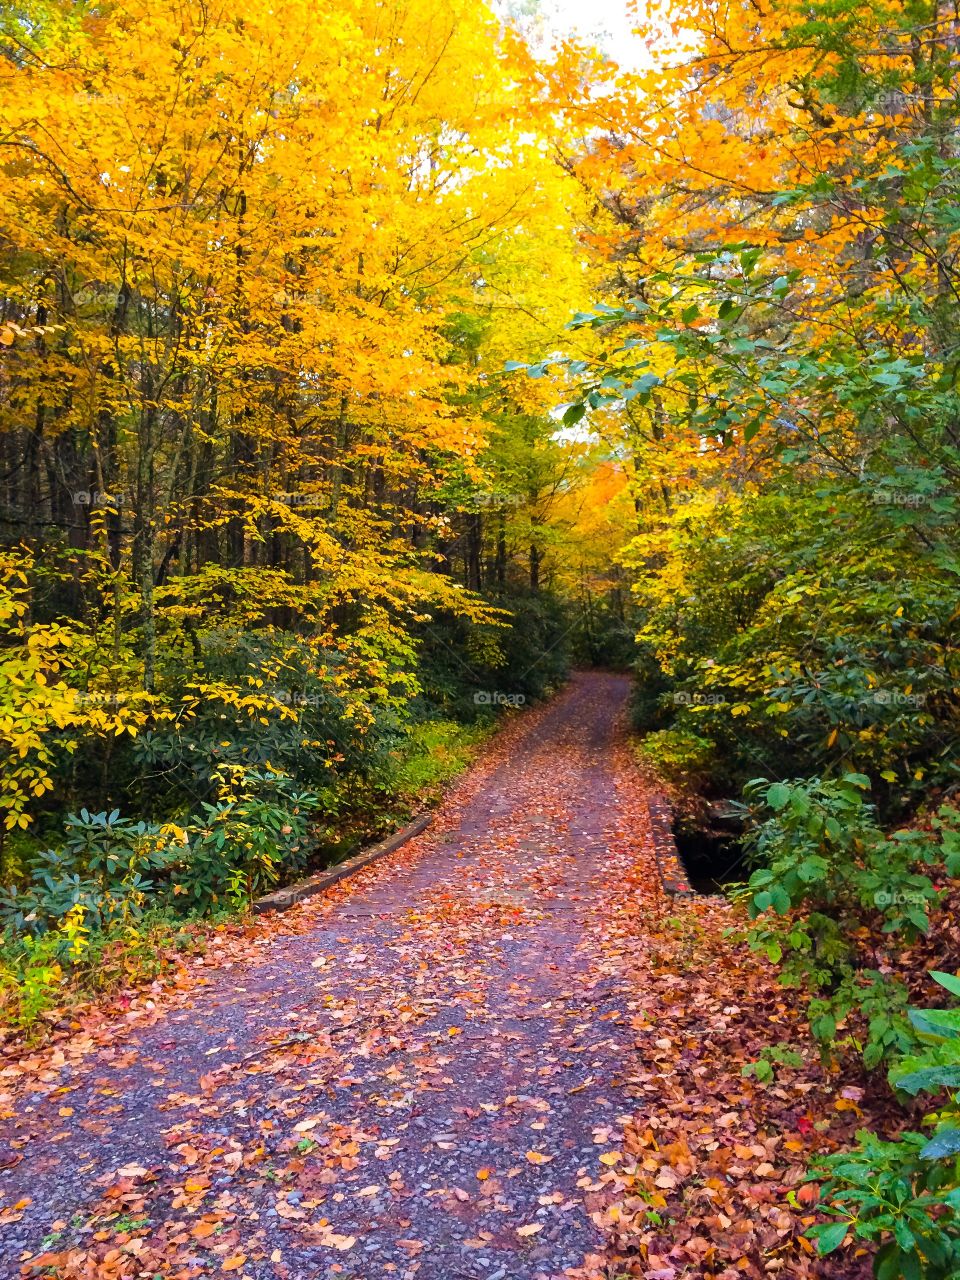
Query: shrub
905	1195
459	659
241	844
831	880
432	754
39	973
104	867
31	976
812	629
681	758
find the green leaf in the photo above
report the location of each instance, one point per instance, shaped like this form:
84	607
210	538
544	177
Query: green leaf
927	1079
780	901
919	919
887	1262
944	1024
778	795
829	1237
942	1144
948	980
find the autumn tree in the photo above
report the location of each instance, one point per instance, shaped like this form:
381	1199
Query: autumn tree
234	244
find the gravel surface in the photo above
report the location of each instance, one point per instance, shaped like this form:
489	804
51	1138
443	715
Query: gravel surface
417	1077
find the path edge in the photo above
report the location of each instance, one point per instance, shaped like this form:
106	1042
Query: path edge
284	899
670	868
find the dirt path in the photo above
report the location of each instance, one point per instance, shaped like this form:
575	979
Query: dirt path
420	1081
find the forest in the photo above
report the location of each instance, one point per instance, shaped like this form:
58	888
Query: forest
365	371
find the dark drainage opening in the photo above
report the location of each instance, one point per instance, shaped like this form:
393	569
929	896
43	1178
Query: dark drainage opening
712	858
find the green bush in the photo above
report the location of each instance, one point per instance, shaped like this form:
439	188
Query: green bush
105	867
905	1195
110	870
41	973
816	629
240	845
829	882
31	975
460	663
680	758
309	728
433	753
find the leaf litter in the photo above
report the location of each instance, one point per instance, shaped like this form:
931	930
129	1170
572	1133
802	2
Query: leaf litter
501	1052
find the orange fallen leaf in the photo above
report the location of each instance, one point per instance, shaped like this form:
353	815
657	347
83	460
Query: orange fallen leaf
342	1243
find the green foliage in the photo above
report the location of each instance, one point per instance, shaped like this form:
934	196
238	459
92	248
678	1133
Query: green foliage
240	845
260	703
815	626
682	759
40	973
905	1196
464	669
828	876
31	977
433	753
772	1056
104	868
109	870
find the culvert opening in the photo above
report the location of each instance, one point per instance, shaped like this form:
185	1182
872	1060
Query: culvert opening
712	859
